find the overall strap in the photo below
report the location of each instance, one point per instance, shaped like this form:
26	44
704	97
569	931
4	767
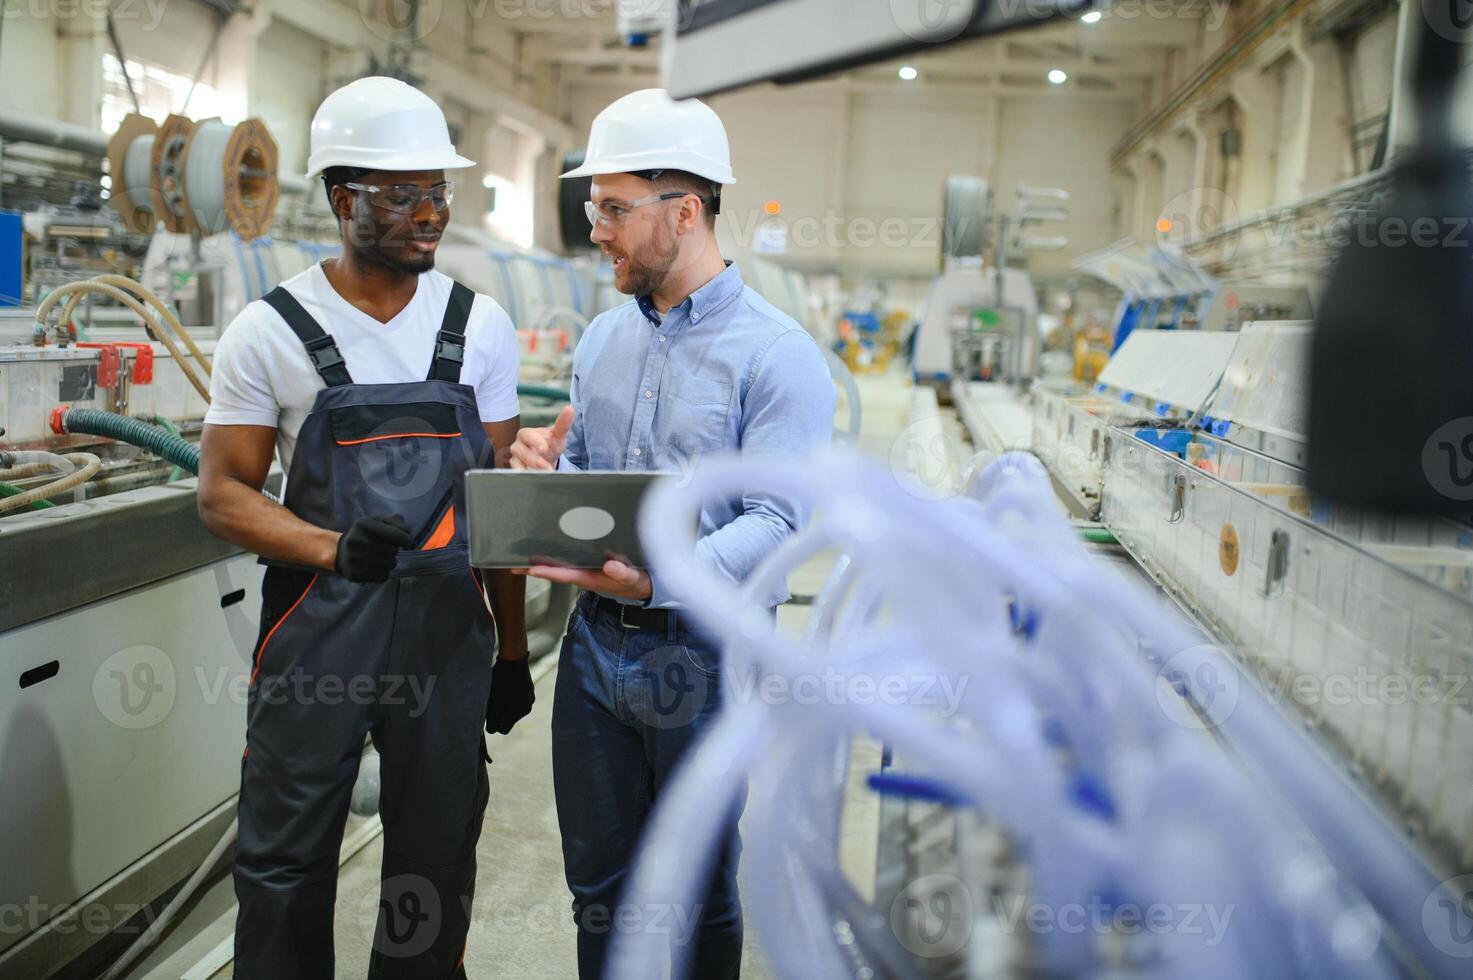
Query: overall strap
450	341
321	348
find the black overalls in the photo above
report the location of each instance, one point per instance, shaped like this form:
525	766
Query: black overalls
407	661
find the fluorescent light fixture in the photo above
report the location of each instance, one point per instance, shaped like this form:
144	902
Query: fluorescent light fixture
1093	17
1058	76
908	73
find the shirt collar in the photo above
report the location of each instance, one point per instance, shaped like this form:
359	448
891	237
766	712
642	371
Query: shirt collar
704	301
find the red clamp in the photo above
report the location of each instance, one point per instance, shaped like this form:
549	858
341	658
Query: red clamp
111	359
56	415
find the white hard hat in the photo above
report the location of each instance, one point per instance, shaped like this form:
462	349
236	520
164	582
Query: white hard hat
648	130
381	123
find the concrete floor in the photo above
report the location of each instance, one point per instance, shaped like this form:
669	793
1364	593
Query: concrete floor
522	924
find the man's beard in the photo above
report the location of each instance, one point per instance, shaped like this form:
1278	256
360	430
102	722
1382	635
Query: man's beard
416	266
648	271
371	248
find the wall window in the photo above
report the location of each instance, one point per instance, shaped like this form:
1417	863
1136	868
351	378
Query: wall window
509	212
161	92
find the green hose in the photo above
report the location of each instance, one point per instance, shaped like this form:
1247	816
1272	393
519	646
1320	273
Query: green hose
543	391
162	422
6	490
158	441
1097	535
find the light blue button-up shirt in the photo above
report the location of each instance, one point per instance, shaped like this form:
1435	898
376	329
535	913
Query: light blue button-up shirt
723	370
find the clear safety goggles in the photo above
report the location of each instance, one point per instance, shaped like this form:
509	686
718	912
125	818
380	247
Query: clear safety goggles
406	198
615	213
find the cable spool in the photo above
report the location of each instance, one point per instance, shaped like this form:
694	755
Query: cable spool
228	179
130	163
167	162
966	208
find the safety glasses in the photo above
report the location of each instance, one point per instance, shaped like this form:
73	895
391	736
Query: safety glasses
615	213
406	198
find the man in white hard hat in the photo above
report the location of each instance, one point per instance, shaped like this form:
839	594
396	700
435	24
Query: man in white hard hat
378	382
697	363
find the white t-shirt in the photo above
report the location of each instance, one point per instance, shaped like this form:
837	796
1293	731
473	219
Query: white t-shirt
262	375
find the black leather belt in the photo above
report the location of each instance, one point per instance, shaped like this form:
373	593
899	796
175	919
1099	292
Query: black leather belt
634	617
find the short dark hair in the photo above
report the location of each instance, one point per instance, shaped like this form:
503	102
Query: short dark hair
333	176
682	180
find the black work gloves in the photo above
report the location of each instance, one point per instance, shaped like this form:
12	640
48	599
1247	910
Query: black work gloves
511	695
368	551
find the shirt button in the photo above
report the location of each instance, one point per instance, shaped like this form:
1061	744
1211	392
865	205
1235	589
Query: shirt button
695	318
648	393
662	340
639	452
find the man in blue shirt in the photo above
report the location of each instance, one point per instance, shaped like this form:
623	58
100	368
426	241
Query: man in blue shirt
697	363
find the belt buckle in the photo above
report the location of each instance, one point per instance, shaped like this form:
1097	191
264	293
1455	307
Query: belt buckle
623	608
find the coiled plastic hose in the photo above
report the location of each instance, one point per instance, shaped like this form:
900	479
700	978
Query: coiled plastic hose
10	490
75	469
95	422
167	424
1060	735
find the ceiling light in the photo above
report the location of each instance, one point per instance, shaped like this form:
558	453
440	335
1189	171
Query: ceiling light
1093	17
1058	76
908	73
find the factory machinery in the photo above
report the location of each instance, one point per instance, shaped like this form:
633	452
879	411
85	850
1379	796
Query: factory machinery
126	629
1355	628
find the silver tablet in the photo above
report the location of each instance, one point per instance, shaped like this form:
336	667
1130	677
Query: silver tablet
518	518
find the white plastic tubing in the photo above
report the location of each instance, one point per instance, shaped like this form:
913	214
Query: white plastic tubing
1059	734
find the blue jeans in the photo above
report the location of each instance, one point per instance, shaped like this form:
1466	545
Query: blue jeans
628	704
